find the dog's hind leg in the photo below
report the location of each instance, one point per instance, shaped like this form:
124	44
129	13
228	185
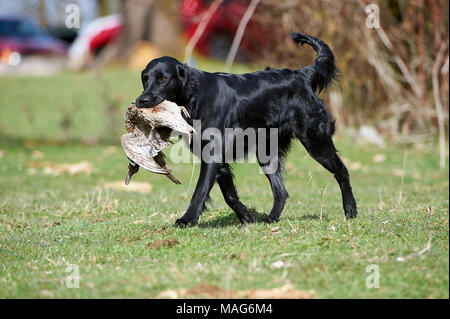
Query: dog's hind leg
321	148
279	192
226	184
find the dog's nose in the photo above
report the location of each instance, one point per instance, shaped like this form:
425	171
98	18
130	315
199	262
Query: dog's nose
142	102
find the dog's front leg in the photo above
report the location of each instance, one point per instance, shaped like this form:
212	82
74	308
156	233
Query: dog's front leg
208	173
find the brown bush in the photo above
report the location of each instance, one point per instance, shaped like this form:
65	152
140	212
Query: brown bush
374	86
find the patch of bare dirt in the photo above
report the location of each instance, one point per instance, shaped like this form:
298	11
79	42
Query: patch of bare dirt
159	243
206	290
139	187
54	169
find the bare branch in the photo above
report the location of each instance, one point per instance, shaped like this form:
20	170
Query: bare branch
437	100
400	63
200	29
444	70
239	33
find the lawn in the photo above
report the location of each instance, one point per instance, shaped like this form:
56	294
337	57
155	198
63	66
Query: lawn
125	244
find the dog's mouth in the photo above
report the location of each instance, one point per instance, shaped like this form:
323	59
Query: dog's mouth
148	103
157	100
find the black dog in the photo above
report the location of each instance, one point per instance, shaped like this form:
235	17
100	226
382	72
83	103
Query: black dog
282	99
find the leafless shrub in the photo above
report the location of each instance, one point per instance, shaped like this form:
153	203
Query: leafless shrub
386	73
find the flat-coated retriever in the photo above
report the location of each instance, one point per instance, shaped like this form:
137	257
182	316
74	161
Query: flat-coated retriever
283	99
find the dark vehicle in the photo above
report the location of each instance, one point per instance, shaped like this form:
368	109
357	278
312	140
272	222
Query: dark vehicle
219	33
20	36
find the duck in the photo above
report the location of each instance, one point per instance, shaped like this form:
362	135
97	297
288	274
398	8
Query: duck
148	133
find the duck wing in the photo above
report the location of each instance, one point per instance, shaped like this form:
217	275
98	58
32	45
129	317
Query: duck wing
141	153
137	146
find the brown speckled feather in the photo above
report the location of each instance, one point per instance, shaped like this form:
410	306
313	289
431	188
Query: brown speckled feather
148	133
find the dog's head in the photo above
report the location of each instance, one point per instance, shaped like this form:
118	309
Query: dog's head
163	79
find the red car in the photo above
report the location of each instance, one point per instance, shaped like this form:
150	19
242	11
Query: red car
219	33
21	37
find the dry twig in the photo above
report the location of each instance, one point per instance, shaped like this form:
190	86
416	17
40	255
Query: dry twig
200	29
239	33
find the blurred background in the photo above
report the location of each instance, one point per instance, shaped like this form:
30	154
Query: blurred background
69	68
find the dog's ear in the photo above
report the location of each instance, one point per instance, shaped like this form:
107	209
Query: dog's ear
181	73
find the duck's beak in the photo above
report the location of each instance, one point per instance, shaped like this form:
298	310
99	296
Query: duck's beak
132	169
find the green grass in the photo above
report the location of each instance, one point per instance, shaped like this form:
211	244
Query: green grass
47	222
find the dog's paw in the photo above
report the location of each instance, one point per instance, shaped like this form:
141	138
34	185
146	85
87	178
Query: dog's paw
247	219
182	223
269	220
351	212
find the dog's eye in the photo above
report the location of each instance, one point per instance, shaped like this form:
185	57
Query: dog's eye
145	78
161	78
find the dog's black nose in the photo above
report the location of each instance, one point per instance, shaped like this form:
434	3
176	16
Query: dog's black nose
142	102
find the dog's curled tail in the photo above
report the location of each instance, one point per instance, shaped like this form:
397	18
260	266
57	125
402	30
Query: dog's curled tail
324	67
